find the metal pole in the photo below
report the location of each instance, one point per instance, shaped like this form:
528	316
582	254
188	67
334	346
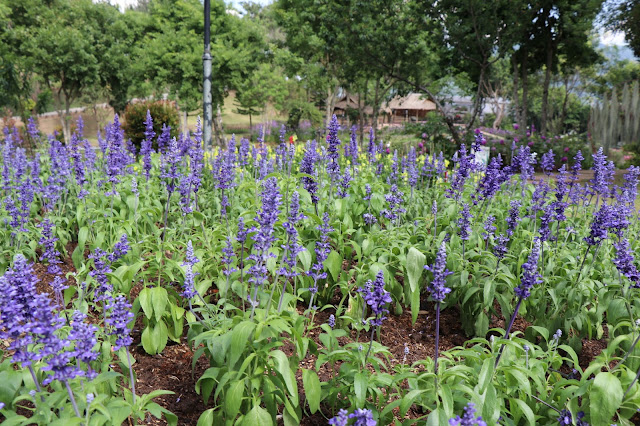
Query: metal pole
206	86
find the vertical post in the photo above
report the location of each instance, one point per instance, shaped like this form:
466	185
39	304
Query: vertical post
206	86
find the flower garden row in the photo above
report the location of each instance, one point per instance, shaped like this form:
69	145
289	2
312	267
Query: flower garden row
239	249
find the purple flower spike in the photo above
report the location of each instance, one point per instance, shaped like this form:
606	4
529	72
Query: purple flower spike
438	288
464	223
377	298
530	275
341	419
49	242
118	320
468	418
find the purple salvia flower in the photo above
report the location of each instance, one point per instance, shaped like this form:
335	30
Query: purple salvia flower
99	273
190	257
344	184
362	417
341	419
490	183
478	141
530	275
371	149
560	193
241	237
333	154
164	140
464	169
307	166
243	151
264	235
394	199
548	162
32	130
49	254
548	213
624	262
514	217
353	147
489	228
412	168
332	321
134	186
438	288
119	317
227	257
146	147
468	418
377	298
292	248
500	249
189	289
599	225
323	248
46	327
83	336
464	223
120	249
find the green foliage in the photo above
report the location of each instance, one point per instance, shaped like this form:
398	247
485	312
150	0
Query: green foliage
162	112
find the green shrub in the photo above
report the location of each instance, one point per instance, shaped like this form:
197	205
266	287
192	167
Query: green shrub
162	112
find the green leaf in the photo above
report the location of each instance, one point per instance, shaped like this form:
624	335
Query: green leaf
408	400
414	266
305	259
257	416
159	300
334	264
207	418
415	306
312	389
360	387
145	301
605	398
485	374
233	399
239	337
526	410
147	342
160	336
282	367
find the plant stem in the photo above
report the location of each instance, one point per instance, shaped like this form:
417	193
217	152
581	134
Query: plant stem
133	383
71	397
506	333
373	329
435	368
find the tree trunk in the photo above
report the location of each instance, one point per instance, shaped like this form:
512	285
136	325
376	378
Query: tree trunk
478	100
331	101
499	114
376	105
516	96
565	102
250	128
361	108
525	92
545	90
66	127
